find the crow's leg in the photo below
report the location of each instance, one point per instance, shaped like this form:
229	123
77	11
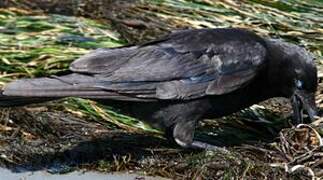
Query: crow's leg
180	120
183	135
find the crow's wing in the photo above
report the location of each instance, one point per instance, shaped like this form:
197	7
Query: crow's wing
184	65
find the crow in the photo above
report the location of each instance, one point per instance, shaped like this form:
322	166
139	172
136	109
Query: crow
176	80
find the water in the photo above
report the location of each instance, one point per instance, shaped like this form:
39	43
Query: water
76	175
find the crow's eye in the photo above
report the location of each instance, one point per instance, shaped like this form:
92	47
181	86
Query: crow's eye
299	84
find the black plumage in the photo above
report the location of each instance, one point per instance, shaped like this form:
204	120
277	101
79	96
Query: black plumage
183	77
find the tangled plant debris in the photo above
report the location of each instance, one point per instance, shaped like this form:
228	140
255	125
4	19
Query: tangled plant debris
76	133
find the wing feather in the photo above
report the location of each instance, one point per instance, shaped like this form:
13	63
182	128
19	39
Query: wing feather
183	65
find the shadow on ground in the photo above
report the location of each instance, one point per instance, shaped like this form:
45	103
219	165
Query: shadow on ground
43	137
36	138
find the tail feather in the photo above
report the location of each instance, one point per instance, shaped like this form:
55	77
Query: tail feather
28	91
70	85
10	101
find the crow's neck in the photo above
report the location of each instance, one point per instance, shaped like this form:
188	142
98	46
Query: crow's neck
278	74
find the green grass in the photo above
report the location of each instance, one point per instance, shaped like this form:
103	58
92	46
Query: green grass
33	46
297	21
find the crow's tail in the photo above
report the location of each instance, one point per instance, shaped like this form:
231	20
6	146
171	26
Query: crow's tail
28	91
10	101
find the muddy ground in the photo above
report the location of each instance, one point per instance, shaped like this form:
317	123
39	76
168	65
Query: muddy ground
260	141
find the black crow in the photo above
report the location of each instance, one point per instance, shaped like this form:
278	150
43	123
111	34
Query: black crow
174	81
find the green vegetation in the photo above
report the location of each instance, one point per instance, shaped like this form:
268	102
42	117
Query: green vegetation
32	46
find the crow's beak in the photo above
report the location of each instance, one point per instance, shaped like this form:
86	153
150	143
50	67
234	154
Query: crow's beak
301	101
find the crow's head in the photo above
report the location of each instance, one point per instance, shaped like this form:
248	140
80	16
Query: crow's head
305	84
296	73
